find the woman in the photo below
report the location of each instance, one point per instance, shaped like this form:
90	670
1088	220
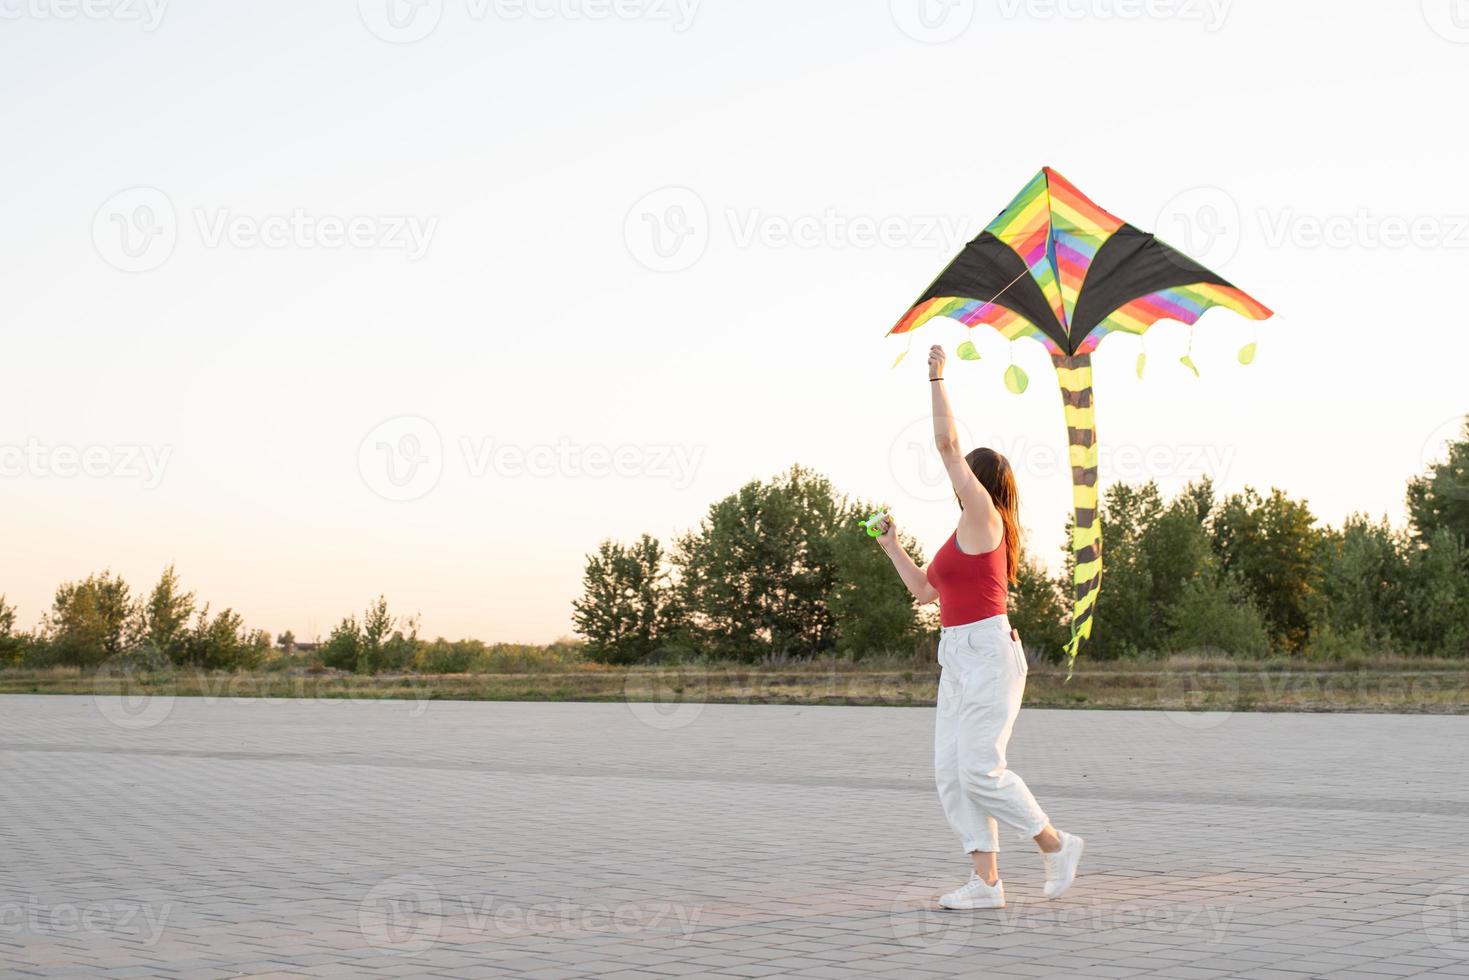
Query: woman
983	676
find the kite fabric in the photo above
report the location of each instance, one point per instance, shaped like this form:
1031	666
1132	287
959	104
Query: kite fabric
1056	267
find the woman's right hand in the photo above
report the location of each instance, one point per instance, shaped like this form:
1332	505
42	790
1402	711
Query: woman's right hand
889	529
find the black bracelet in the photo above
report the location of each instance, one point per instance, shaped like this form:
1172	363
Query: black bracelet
932	380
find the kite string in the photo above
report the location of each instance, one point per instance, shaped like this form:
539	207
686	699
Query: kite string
990	302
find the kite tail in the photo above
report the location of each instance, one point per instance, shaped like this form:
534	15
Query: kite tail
1075	374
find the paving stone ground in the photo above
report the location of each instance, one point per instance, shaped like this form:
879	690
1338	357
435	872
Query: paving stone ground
220	837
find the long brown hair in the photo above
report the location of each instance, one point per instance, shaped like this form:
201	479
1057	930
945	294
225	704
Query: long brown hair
993	471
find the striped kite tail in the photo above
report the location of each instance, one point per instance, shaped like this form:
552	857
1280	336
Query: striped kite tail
1075	374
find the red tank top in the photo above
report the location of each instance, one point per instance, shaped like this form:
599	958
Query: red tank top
970	587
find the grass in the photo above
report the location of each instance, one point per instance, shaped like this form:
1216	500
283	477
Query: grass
1178	683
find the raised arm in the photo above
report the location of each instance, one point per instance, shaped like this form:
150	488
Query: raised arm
980	523
979	510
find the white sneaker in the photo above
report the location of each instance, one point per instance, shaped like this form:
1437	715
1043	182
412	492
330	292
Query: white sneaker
975	895
1061	866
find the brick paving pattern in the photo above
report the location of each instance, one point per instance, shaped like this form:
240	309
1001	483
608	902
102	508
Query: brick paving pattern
222	837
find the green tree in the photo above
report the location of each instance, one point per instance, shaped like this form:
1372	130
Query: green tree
1438	595
1214	613
1269	544
388	643
223	642
1177	549
379	642
343	645
163	619
89	620
625	610
13	645
871	609
1125	614
754	578
1362	570
1037	608
1438	500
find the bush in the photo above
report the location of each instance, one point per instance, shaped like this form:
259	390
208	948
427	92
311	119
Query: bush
381	642
444	657
872	611
1038	610
1213	613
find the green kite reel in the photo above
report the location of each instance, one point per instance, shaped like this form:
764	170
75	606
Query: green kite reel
871	524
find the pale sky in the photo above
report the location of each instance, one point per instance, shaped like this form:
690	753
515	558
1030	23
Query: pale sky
325	300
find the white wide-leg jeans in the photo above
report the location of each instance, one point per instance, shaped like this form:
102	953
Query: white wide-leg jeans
980	689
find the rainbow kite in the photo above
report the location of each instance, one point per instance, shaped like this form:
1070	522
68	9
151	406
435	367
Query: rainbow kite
1056	267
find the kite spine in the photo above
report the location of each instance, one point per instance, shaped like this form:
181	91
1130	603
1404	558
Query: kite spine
1075	374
